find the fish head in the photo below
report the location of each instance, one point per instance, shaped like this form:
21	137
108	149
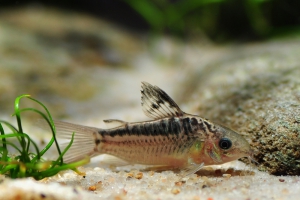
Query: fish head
226	145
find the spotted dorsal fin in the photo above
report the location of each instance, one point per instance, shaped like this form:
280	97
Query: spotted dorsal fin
157	104
113	123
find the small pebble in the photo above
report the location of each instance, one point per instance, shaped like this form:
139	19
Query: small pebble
227	175
175	191
98	169
62	183
139	175
179	183
130	175
118	198
281	180
151	173
92	188
164	180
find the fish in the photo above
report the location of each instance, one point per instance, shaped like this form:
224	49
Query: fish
172	138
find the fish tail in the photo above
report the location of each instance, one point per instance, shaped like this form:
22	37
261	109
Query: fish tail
85	143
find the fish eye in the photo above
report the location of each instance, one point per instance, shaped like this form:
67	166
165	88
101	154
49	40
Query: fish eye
225	143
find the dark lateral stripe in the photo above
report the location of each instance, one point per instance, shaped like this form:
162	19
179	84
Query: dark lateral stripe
209	126
155	129
186	125
163	128
114	133
194	121
148	128
193	125
179	126
190	128
142	129
102	132
170	128
120	131
175	127
133	130
202	126
185	121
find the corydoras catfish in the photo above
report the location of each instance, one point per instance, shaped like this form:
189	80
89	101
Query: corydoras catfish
172	138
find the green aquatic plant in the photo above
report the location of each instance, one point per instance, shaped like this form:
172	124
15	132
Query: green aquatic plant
25	163
218	19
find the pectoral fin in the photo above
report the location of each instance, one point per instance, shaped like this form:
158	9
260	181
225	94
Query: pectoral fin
192	169
215	155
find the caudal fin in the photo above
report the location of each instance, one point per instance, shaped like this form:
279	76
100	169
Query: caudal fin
84	140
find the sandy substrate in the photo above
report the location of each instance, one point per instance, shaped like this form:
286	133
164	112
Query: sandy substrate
229	181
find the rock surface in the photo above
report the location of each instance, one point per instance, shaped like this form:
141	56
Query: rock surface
257	93
252	88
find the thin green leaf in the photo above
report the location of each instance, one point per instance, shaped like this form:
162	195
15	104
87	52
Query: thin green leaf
51	124
17	113
150	12
2	133
64	151
28	164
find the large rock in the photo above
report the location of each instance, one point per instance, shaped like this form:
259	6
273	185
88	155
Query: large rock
255	90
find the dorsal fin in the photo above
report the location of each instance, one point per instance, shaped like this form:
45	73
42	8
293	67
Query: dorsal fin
157	104
113	123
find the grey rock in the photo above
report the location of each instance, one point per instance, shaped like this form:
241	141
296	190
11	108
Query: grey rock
255	90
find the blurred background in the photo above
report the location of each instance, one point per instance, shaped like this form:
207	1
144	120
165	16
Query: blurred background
77	55
219	20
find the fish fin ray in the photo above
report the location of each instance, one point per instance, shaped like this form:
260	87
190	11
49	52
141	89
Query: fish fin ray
113	160
113	123
192	169
158	104
84	139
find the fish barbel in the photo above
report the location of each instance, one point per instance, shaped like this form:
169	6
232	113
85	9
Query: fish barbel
172	138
